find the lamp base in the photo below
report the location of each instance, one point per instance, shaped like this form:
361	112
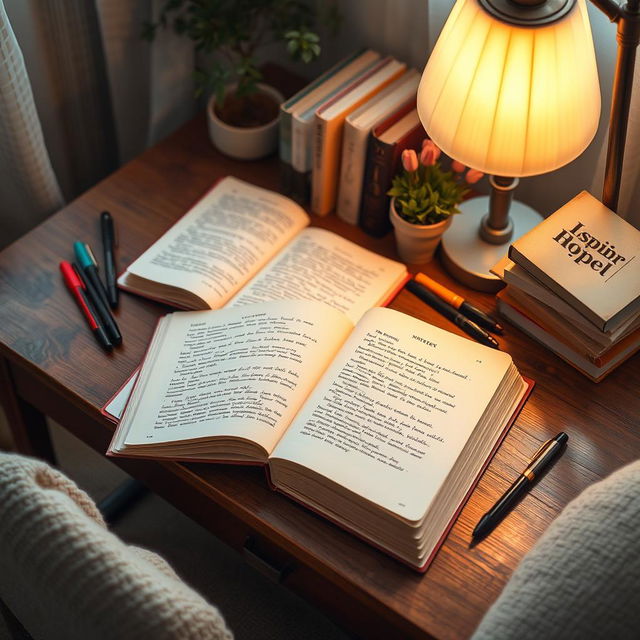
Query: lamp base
467	257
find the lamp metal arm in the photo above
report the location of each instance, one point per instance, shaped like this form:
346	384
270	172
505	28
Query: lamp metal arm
627	18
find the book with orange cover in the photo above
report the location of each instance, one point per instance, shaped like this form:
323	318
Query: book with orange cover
328	130
383	426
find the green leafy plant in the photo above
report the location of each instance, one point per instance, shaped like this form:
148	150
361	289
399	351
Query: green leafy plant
424	192
237	29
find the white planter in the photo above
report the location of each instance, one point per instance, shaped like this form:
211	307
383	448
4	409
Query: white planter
244	143
416	242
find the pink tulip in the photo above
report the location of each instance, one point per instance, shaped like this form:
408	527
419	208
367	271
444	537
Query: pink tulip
457	166
409	160
430	153
428	156
473	175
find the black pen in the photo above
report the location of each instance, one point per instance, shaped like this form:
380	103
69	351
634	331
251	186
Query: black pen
108	321
540	461
459	319
87	262
108	243
463	306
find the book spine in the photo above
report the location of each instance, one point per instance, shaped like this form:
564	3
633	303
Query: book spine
284	151
301	159
351	173
374	209
385	163
320	167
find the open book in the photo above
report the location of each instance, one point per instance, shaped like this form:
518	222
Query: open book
382	427
242	244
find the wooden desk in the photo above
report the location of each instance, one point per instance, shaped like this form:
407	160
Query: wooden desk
50	364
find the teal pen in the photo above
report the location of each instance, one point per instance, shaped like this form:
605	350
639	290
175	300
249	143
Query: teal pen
87	262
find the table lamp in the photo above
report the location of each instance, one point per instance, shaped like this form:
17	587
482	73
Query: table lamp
511	89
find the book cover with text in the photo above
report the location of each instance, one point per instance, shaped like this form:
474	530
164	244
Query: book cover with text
588	256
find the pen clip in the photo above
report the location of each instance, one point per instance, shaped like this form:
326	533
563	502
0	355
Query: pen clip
536	455
91	256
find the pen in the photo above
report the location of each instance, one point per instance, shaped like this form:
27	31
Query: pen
77	291
540	461
87	262
103	312
468	326
457	301
108	243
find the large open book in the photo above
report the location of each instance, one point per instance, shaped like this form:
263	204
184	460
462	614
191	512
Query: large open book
242	244
382	427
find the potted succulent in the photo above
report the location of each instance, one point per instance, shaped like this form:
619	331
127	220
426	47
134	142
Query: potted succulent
242	112
423	198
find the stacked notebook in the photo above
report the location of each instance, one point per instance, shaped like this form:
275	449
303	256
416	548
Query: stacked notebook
573	283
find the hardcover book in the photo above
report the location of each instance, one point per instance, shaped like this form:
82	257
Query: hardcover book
328	130
519	279
296	120
594	367
383	427
588	256
241	244
357	127
402	130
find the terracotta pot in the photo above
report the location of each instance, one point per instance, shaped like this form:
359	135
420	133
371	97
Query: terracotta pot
244	143
416	242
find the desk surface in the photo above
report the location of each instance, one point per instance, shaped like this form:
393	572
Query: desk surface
50	364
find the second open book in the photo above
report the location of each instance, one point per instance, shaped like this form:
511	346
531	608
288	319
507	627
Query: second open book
241	244
382	427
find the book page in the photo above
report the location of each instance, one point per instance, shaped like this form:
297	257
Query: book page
235	372
393	412
223	241
320	265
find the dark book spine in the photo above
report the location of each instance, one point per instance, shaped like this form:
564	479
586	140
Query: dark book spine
300	186
379	169
286	178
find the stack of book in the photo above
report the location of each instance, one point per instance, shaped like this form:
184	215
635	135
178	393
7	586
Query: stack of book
573	284
341	138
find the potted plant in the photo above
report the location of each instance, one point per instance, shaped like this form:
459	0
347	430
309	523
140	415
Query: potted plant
423	198
242	112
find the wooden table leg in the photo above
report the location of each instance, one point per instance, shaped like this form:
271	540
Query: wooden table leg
28	426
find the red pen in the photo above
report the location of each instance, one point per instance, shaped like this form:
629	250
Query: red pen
77	290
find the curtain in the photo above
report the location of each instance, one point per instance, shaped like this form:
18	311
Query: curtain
80	93
29	190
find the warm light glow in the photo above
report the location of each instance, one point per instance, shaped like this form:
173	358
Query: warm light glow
508	100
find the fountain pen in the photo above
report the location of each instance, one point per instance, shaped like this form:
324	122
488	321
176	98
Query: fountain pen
540	461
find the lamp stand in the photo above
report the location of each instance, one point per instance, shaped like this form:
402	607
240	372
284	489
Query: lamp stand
479	237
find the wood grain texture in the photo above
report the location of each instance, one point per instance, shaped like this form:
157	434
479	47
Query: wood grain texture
56	366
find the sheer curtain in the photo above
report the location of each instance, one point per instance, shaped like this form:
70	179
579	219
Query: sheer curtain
81	93
28	186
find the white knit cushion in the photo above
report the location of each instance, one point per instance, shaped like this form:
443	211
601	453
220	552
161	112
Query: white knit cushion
66	577
582	578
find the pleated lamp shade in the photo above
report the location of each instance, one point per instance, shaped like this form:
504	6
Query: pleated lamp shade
511	100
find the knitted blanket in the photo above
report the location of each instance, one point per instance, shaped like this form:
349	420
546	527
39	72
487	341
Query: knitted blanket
582	578
65	576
